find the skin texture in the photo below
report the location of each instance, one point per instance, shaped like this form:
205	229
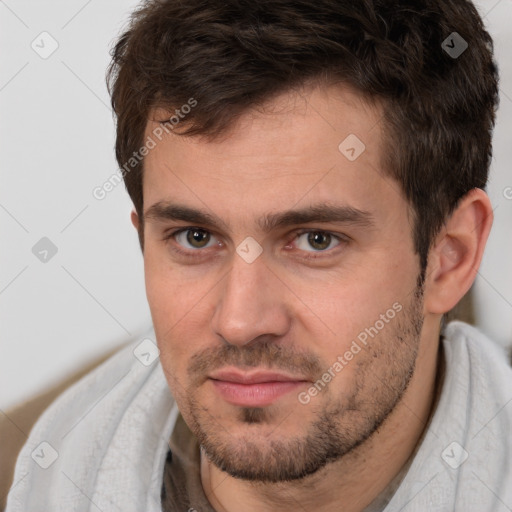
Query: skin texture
296	315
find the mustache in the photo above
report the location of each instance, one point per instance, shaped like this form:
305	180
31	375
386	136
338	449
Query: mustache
265	354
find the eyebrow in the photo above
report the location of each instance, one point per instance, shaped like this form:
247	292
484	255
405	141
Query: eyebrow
164	210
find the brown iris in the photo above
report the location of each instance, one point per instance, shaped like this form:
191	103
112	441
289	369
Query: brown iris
319	240
199	236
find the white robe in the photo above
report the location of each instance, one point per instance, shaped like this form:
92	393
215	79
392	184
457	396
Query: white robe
104	440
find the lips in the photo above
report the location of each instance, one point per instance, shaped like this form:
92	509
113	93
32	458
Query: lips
254	389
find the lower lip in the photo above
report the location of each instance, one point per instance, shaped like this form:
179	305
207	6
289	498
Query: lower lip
254	395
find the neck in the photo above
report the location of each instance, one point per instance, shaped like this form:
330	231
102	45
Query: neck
356	479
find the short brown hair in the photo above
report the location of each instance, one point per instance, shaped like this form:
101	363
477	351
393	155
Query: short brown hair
231	55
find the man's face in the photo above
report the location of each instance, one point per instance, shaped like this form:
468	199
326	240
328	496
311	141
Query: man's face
287	349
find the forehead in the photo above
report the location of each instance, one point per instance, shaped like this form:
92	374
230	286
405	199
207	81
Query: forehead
308	147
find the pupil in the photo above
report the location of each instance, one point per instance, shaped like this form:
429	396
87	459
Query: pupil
197	236
315	239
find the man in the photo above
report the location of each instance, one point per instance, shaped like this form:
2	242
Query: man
308	185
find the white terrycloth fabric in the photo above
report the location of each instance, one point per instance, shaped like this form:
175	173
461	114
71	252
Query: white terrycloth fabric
111	432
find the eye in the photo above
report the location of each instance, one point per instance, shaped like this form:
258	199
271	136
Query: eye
196	238
190	239
319	241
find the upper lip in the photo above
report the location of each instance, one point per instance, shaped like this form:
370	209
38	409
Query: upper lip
255	377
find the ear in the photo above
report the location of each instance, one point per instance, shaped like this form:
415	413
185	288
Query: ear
139	227
135	220
457	252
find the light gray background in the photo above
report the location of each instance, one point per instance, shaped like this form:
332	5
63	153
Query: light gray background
56	146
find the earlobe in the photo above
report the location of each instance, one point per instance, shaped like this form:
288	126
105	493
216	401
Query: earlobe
457	253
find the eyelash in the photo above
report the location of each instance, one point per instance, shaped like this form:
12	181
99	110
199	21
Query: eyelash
342	239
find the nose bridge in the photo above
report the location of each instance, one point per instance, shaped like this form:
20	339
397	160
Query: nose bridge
251	303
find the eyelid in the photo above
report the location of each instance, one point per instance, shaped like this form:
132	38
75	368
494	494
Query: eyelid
341	237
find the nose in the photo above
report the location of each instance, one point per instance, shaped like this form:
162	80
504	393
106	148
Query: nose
251	304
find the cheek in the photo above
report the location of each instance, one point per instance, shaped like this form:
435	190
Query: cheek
349	307
169	296
179	309
167	305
